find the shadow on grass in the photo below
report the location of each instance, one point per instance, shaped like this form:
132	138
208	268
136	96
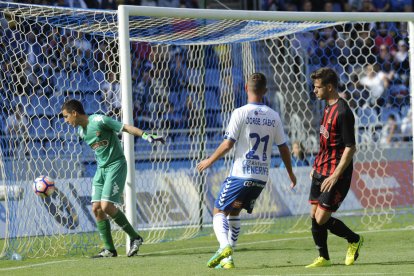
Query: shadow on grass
263	266
190	252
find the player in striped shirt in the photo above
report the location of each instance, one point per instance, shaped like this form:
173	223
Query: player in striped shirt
332	170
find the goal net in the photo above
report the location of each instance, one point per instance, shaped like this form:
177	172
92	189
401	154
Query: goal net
186	77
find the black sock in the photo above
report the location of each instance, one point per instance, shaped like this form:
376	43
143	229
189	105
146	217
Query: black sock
338	228
320	237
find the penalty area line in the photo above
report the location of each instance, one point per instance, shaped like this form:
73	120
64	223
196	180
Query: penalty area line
33	265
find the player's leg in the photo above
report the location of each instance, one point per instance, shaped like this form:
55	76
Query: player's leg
220	227
234	227
115	177
320	236
337	227
319	231
355	241
104	229
233	219
222	207
247	193
102	220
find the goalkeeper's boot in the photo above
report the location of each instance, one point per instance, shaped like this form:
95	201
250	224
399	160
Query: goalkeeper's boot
220	255
319	262
105	253
226	263
353	251
134	246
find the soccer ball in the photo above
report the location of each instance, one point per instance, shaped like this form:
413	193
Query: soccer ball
43	186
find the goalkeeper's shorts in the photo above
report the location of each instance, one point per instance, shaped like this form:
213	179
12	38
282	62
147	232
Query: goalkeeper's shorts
109	182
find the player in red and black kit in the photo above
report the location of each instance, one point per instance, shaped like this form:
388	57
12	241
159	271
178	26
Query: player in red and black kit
332	170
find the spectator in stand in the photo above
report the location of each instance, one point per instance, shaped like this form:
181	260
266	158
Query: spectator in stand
16	127
376	82
191	4
398	94
298	157
355	5
401	6
152	3
401	63
367	6
337	5
382	5
389	133
169	3
306	6
383	37
407	127
401	31
274	5
112	95
107	4
402	53
328	7
384	59
76	4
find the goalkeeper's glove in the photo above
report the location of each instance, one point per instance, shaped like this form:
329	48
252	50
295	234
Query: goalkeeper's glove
152	138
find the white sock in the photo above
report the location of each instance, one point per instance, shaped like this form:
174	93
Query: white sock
221	229
234	230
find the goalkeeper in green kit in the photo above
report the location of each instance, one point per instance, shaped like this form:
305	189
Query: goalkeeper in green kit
100	132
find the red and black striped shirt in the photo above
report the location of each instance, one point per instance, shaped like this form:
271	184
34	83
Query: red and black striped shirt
336	133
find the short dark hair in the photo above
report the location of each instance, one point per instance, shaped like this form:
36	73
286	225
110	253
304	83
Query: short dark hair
327	76
73	105
257	81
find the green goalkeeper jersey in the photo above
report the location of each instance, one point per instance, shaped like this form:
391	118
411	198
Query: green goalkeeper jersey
101	134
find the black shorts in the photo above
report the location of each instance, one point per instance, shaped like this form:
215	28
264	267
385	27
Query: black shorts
329	201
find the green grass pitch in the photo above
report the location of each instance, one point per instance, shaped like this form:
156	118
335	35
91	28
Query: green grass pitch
386	252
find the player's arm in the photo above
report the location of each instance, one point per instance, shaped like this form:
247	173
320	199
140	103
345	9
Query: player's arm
152	138
285	154
224	148
346	159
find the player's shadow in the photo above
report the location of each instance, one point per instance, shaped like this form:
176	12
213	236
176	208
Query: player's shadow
262	266
245	249
403	262
185	252
179	252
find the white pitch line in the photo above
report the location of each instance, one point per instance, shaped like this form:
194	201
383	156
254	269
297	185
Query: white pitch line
34	265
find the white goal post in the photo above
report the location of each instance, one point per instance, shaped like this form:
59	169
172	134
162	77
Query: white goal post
125	64
180	73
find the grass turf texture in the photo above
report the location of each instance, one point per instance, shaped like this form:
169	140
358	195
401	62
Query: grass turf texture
387	252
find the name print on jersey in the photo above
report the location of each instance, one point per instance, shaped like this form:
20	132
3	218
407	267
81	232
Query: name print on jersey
259	121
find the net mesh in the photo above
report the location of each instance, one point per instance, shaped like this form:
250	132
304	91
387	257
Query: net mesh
188	75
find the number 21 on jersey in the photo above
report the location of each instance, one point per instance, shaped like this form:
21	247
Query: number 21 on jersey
254	153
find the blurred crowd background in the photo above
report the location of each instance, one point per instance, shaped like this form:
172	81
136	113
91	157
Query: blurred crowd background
374	79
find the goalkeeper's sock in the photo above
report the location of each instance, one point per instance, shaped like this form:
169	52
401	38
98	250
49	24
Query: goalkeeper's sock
234	230
337	227
221	229
123	222
320	237
104	229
